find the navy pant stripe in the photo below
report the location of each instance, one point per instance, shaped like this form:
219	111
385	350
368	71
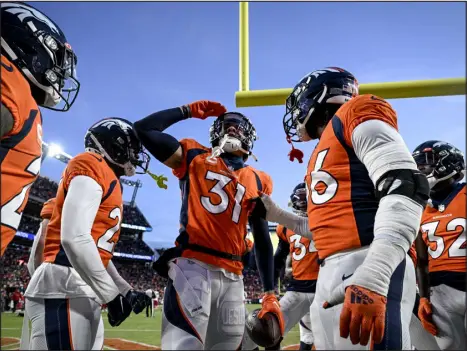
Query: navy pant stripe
392	339
174	314
57	328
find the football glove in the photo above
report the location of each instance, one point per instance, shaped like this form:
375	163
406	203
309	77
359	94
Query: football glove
138	300
204	108
271	305
363	314
118	310
425	314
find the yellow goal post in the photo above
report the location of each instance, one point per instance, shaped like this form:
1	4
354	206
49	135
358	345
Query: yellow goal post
388	90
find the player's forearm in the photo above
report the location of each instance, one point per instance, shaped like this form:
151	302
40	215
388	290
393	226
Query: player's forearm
263	252
423	279
150	131
280	257
273	213
79	211
121	283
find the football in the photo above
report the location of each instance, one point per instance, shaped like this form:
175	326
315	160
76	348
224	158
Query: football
263	332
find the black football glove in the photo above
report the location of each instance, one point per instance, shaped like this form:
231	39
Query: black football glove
118	310
138	300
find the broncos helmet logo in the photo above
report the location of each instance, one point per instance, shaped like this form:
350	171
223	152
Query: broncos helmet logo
23	12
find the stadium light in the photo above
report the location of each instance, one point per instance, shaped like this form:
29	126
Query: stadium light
388	90
55	149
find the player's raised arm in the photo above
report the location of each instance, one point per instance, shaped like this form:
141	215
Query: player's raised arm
164	146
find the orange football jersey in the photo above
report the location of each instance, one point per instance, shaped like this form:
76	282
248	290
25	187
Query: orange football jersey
20	149
216	203
47	208
303	253
341	199
106	228
443	231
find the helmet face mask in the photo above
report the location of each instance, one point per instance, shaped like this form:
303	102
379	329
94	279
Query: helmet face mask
298	200
234	131
439	162
115	139
314	100
39	49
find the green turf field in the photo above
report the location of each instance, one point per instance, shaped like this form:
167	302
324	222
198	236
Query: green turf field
136	328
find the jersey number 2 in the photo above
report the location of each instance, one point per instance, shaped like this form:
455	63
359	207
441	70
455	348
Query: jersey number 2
218	188
11	216
457	248
104	242
319	197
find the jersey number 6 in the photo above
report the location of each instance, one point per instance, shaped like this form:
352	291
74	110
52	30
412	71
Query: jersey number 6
218	189
319	176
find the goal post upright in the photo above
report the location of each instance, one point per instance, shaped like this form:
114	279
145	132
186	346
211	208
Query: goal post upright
388	90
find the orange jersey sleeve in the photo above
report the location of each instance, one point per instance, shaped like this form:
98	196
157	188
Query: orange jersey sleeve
191	148
106	227
20	149
281	232
216	204
443	231
47	208
364	108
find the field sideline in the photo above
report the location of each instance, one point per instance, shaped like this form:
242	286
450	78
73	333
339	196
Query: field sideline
135	333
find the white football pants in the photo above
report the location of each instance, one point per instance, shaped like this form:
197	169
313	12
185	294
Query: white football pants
65	324
203	309
400	302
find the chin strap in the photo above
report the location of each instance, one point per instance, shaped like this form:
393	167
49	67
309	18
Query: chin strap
295	153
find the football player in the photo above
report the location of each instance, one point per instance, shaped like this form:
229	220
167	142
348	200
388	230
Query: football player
295	304
38	69
203	305
366	198
66	291
441	245
36	256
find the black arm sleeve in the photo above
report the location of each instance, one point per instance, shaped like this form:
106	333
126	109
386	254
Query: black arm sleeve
263	251
150	131
280	257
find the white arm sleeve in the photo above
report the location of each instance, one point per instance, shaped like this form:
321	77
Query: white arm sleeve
121	283
79	211
297	224
381	149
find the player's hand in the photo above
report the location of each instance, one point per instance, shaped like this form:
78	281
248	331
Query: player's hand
138	300
271	305
265	207
204	108
425	314
363	314
118	310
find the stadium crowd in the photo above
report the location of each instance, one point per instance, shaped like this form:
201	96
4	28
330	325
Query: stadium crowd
138	273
